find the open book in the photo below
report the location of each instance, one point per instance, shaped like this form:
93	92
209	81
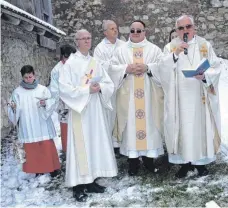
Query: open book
202	67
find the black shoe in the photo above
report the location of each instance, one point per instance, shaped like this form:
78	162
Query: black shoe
54	173
183	170
116	150
133	166
99	186
94	188
192	168
202	170
149	164
79	193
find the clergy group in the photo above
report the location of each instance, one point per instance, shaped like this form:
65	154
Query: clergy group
128	98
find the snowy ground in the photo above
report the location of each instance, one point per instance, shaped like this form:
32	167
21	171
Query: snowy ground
22	190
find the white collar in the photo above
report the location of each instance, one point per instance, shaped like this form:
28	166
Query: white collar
107	41
137	45
80	55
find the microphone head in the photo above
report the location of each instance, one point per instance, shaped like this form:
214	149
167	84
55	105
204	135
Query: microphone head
185	37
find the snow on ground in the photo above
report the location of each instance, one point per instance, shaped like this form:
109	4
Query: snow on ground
25	190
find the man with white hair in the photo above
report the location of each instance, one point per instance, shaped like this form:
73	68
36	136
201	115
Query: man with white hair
191	112
139	100
86	89
104	51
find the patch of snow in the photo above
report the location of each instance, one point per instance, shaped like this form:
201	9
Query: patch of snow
212	204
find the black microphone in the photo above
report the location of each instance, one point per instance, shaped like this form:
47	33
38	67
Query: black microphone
185	38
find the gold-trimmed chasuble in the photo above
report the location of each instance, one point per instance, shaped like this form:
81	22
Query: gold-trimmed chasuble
203	49
139	98
79	143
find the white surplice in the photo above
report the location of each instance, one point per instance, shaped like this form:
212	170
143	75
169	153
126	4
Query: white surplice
32	125
104	51
91	107
120	61
59	105
189	124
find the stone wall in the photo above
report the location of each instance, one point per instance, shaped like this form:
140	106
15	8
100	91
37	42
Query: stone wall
211	18
19	47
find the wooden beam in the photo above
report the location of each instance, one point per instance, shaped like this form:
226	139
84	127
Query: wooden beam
39	31
27	26
11	19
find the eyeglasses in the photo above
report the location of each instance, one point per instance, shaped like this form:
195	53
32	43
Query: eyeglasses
112	29
137	31
186	26
84	39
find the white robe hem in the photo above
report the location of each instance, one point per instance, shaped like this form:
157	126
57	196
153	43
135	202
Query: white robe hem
91	178
177	159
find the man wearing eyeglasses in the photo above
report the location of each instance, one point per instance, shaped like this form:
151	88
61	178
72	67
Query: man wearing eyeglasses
86	89
139	100
192	117
104	52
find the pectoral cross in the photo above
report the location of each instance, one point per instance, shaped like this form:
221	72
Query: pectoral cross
89	76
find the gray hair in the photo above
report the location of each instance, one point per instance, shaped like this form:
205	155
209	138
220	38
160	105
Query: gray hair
78	33
185	16
106	23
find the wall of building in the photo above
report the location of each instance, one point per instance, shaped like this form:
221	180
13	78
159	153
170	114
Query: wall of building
19	47
211	18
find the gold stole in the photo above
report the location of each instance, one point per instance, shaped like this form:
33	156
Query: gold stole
79	143
217	139
140	112
203	49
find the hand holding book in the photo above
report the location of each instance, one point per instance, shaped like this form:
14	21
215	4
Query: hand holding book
199	71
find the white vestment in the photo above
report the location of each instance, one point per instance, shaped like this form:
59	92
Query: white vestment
59	105
90	108
120	61
104	51
191	127
32	125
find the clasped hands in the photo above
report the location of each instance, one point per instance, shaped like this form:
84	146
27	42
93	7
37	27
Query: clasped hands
136	69
94	88
42	103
